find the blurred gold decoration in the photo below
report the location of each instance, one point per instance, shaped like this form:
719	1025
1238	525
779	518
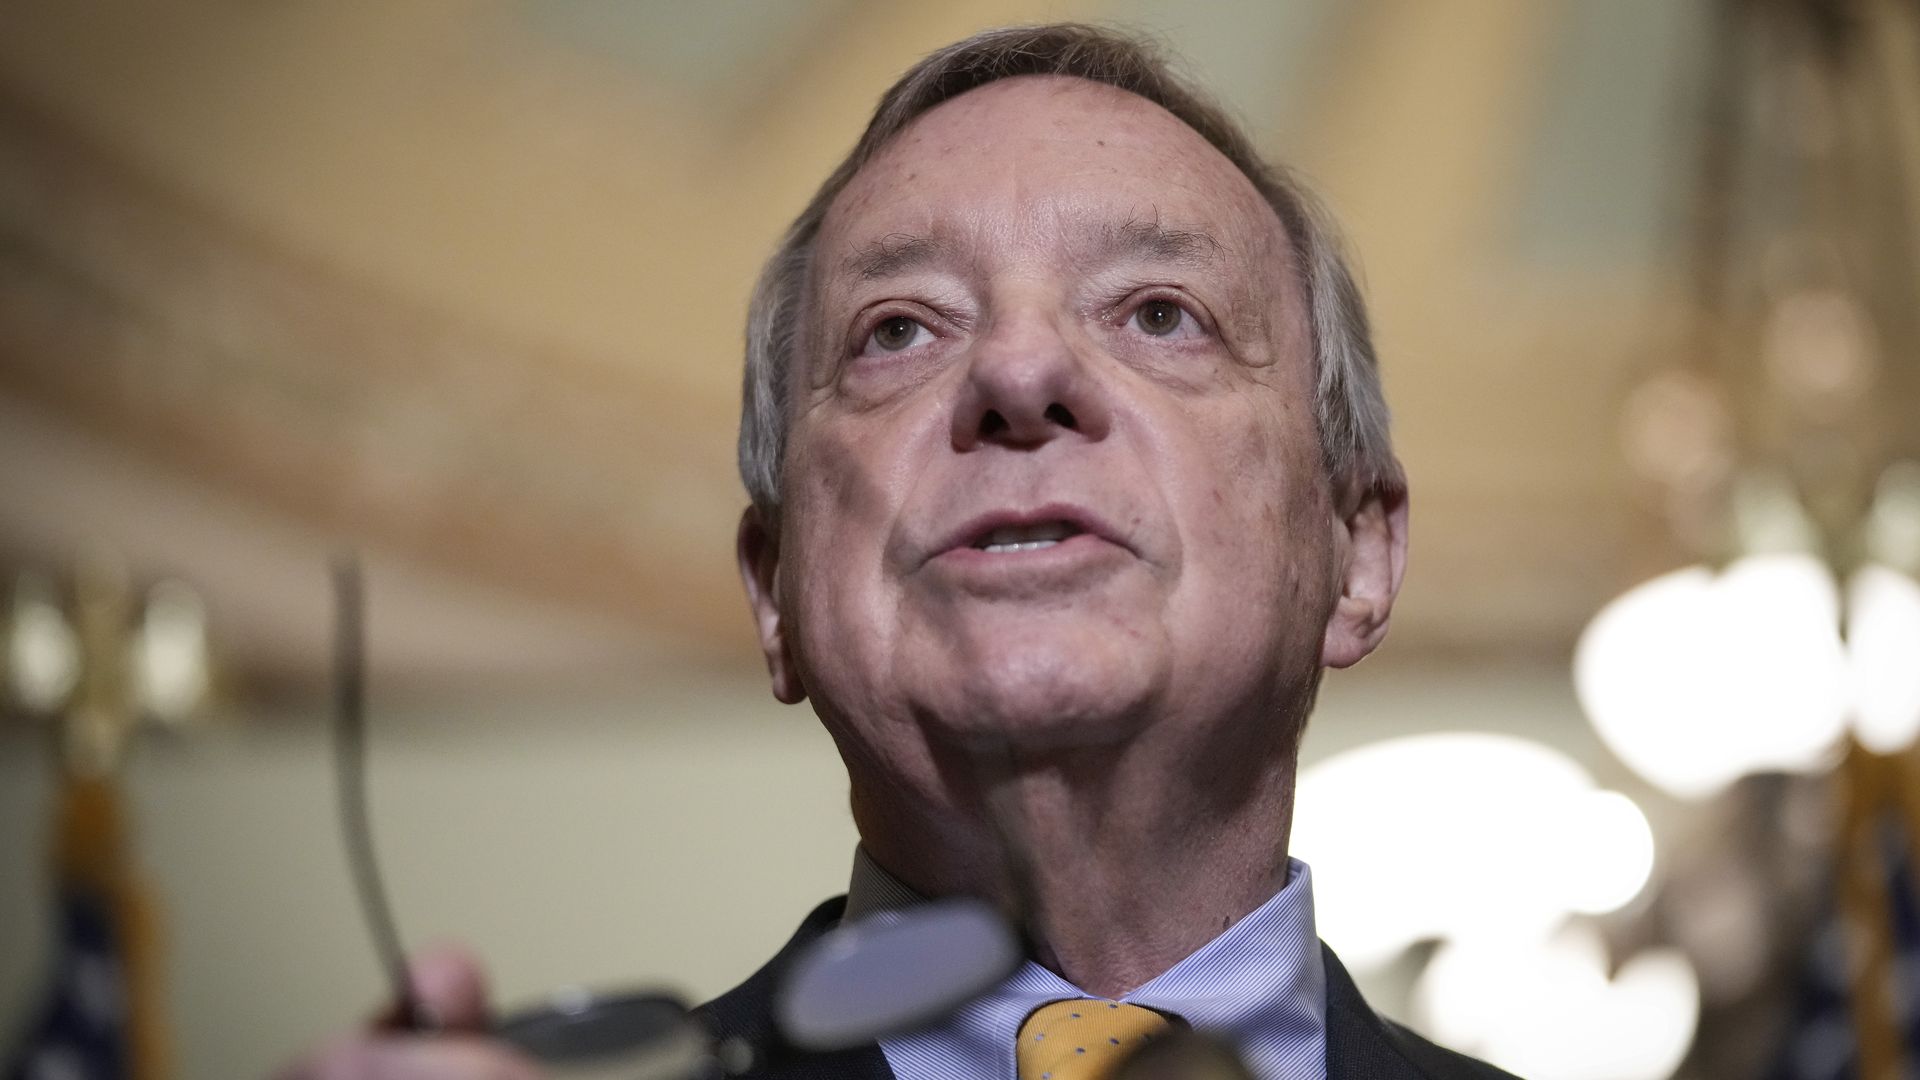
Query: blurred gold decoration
1786	437
1787	426
98	668
103	661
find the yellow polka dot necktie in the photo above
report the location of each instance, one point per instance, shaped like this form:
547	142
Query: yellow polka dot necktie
1082	1039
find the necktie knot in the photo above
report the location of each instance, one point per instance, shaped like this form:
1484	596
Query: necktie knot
1082	1038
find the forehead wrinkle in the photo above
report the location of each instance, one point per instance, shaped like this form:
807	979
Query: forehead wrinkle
1093	241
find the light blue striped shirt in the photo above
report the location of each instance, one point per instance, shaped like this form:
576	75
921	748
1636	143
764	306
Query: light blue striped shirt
1260	984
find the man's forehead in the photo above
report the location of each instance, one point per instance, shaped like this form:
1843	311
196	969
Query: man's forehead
1079	161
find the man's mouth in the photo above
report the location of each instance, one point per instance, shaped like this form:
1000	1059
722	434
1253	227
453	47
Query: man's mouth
1034	537
1030	533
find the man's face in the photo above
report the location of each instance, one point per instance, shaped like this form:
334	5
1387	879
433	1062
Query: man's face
1053	468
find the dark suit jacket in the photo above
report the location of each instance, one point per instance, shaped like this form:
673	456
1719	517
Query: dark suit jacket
1360	1044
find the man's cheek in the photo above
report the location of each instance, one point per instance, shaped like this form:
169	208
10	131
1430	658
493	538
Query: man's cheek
838	492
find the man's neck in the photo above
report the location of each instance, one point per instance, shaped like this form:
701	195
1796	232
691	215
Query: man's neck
1116	874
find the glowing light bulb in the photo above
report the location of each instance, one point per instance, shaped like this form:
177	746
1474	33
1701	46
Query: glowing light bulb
1547	1008
169	661
1495	835
43	652
1607	851
1883	658
1695	679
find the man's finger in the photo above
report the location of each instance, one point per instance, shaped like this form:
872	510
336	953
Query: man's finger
449	991
451	987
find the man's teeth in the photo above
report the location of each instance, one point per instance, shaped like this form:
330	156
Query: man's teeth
1026	537
1030	545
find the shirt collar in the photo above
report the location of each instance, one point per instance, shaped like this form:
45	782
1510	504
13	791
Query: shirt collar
1261	983
872	889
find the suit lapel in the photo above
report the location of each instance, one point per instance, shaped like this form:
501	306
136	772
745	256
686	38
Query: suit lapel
1362	1046
1358	1042
746	1013
862	1063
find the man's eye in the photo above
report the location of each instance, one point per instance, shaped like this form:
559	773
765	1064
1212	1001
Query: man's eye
896	334
1159	317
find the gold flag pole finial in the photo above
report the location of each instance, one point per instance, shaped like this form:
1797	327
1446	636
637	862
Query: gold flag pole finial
97	660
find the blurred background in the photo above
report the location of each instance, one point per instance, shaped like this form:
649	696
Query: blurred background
460	285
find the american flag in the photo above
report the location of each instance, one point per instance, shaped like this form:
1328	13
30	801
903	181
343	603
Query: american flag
81	1032
98	1019
1859	1011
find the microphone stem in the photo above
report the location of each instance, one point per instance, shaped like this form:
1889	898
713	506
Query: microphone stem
350	760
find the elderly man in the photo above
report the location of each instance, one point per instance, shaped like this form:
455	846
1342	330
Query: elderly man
1070	474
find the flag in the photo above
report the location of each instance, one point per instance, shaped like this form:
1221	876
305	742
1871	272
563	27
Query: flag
99	1019
1858	1016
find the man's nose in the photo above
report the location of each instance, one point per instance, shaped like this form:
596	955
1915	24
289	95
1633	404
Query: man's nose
1025	386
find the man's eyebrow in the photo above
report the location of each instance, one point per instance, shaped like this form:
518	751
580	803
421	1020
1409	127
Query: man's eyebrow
1150	239
892	254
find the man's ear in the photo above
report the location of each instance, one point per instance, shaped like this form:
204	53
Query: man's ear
758	549
1371	535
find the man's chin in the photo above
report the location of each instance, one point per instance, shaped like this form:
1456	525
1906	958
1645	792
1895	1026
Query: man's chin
1037	699
1037	675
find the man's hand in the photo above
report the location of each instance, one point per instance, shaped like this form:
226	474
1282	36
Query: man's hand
450	987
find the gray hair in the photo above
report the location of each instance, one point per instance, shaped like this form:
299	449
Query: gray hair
1348	404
